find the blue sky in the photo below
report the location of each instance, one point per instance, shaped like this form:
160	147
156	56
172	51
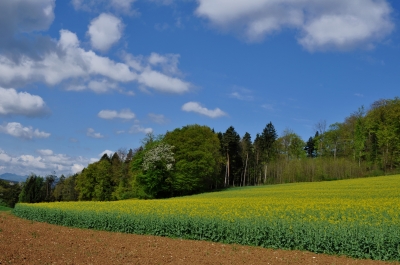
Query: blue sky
82	77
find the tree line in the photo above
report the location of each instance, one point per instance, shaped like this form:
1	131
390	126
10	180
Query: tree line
195	159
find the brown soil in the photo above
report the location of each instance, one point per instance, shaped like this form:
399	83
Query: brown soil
27	242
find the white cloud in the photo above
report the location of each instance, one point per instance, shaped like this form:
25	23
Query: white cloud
113	114
196	107
77	168
68	61
140	129
45	152
123	6
269	107
102	86
162	82
25	15
328	24
21	103
157	118
91	133
17	130
105	31
42	165
168	62
108	152
242	94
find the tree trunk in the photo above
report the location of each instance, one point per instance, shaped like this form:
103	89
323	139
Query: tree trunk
265	173
226	174
228	168
334	153
245	168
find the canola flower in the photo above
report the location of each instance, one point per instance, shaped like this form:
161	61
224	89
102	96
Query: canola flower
357	217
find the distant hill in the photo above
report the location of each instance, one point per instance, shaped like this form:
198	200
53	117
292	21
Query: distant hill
12	177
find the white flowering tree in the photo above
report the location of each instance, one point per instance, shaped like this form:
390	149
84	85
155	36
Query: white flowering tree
158	162
160	155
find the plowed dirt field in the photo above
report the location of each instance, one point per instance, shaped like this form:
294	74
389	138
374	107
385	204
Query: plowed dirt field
27	242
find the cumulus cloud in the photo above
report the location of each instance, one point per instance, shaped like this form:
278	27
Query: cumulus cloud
108	152
21	103
159	72
168	62
322	25
125	114
162	82
24	16
71	62
91	133
196	107
139	129
104	31
45	152
77	168
157	118
123	6
102	86
42	164
28	57
18	130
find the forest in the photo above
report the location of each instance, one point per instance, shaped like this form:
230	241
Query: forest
195	159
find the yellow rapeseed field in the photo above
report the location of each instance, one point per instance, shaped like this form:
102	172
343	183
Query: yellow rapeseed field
373	201
357	217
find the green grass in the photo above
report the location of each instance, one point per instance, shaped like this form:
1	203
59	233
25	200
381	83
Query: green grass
5	209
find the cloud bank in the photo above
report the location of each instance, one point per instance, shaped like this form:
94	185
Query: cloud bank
28	57
321	25
44	164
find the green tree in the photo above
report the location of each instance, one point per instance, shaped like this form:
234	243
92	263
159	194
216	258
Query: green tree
33	190
310	147
69	192
197	159
247	155
234	163
59	188
157	165
94	183
9	193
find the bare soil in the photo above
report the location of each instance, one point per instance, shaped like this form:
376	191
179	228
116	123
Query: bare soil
27	242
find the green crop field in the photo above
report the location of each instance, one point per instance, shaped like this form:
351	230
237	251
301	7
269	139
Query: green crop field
358	217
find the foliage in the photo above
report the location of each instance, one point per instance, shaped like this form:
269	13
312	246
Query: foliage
5	209
155	177
357	217
94	183
197	159
33	190
9	193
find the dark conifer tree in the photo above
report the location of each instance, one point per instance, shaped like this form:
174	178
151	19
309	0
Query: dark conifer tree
310	147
